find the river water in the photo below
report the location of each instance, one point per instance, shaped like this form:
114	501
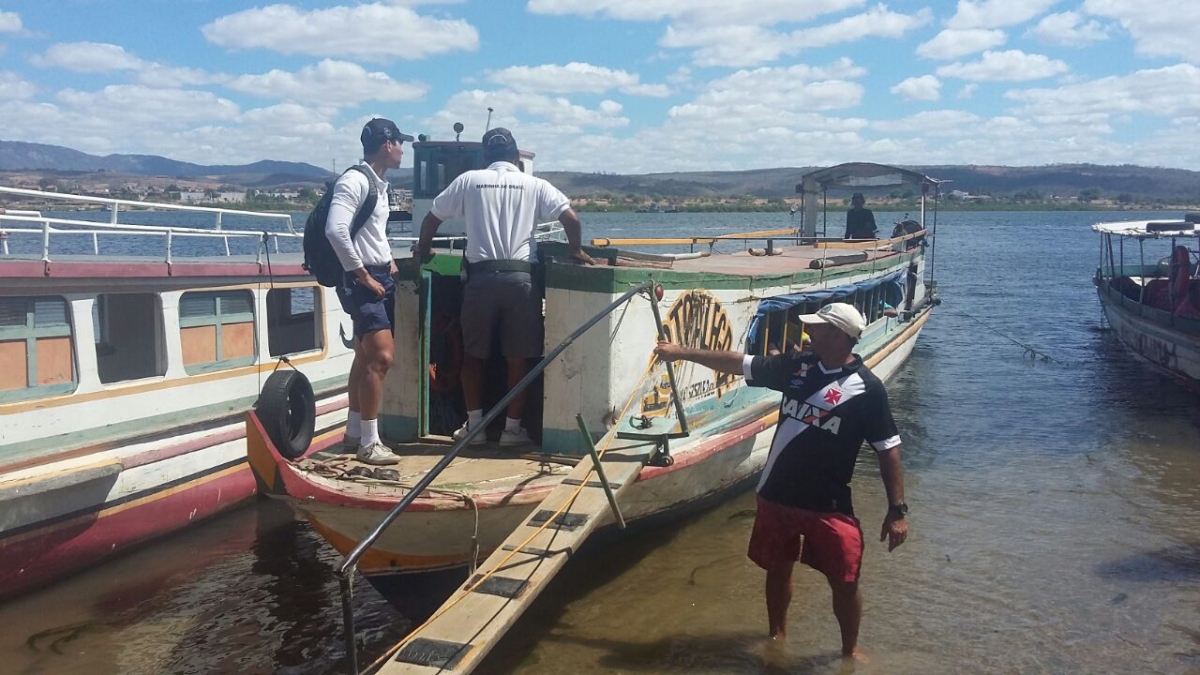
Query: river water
1055	523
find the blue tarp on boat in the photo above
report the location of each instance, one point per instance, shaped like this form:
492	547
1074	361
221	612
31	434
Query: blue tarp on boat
893	294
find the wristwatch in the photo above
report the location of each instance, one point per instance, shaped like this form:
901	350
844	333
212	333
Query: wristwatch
898	510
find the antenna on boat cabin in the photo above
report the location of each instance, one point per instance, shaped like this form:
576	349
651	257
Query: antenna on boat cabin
458	128
488	125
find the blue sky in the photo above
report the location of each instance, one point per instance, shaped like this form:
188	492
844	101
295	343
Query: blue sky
618	86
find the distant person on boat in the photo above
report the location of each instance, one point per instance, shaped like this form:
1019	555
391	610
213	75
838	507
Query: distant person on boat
831	403
367	291
502	206
860	221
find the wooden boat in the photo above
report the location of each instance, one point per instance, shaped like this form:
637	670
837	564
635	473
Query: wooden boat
124	376
608	378
1153	307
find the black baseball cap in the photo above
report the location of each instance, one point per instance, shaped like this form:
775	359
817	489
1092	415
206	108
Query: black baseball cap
378	131
498	143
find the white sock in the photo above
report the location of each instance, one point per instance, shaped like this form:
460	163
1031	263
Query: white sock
474	418
512	426
354	424
370	433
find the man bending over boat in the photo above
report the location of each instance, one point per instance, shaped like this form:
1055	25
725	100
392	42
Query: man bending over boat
831	404
860	221
502	206
367	290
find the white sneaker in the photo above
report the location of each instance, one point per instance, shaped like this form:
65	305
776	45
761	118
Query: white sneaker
462	432
377	453
513	438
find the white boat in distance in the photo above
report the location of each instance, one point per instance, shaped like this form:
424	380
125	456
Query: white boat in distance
1154	307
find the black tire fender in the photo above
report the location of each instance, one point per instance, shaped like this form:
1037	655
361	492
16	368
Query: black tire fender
287	409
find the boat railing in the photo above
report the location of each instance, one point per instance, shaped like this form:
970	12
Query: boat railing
268	228
350	561
768	236
256	225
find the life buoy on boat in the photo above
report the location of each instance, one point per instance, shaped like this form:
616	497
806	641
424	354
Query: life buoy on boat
287	409
1181	272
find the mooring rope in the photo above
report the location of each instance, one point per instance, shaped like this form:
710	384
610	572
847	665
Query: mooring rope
1030	351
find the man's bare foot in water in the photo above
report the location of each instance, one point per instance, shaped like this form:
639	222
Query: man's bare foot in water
856	654
774	651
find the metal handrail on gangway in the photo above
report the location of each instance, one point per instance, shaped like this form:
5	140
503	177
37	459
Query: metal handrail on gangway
350	561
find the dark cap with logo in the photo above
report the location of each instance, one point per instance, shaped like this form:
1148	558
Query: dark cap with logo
378	131
498	143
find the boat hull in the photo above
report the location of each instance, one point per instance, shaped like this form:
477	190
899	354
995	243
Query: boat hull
438	534
59	521
1167	350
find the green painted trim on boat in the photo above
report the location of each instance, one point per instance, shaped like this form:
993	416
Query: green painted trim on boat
46	390
397	428
619	279
442	264
146	425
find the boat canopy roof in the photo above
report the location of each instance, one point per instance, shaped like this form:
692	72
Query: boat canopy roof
854	175
861	174
1149	229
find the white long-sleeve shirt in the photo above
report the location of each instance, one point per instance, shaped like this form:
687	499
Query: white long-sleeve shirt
371	246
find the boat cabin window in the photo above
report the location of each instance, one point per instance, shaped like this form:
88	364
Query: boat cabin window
217	330
437	165
37	348
129	336
292	320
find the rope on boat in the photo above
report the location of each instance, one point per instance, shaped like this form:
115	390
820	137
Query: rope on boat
1030	351
633	396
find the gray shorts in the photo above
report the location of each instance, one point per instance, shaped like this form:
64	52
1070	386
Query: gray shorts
507	304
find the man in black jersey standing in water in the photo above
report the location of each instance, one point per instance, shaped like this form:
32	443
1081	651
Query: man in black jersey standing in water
831	404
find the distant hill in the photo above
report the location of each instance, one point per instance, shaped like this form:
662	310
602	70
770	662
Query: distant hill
1062	180
20	156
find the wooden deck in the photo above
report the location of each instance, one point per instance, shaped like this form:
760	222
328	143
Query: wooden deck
483	469
460	634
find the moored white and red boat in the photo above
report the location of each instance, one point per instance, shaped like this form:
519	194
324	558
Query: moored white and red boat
124	375
747	300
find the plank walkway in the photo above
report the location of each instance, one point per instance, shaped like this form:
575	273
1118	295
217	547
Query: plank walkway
470	623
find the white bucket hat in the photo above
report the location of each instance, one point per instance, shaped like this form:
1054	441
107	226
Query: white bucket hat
839	314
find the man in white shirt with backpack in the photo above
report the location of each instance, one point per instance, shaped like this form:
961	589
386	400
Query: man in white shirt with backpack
367	290
501	206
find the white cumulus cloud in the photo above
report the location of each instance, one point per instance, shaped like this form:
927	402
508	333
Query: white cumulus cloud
750	44
101	57
1159	29
372	32
952	44
88	57
997	13
1172	91
1070	29
10	22
1008	66
924	88
333	83
13	87
761	12
574	77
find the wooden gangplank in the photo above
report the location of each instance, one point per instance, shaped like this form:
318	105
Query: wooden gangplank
470	623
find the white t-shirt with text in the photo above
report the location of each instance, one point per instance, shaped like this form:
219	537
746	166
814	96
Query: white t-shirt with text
501	206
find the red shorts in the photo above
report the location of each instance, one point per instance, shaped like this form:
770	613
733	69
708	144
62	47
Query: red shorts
833	542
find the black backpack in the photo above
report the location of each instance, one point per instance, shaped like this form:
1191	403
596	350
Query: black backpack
319	257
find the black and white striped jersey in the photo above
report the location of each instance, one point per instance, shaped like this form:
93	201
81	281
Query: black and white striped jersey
824	417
